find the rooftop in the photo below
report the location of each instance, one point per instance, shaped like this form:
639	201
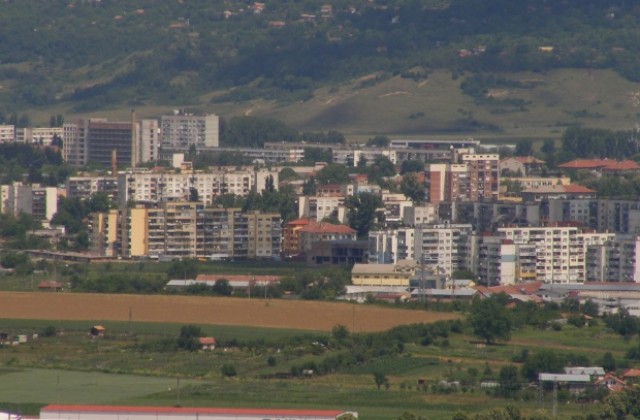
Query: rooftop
276	412
327	228
603	164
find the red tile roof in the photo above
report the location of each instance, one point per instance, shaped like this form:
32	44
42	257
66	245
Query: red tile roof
299	222
603	164
576	189
206	341
237	277
275	412
327	228
631	373
527	288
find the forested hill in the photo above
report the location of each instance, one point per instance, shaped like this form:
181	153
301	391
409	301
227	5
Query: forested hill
104	53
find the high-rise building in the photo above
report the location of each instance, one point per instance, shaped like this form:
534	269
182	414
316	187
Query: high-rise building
181	131
469	177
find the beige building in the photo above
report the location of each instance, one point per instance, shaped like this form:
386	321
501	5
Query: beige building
385	275
104	233
190	230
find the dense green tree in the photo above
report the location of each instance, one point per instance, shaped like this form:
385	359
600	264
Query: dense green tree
524	148
333	173
361	212
183	269
380	379
412	188
542	361
413	165
509	381
222	288
188	338
490	319
378	141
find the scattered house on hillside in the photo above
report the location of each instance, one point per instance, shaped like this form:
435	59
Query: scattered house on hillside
611	382
593	371
632	375
207	343
575	384
97	331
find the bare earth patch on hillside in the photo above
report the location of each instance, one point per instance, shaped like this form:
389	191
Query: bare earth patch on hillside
304	315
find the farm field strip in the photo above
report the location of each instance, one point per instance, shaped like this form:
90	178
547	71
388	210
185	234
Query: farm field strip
302	315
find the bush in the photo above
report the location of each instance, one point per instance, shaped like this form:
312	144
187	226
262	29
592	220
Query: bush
228	370
48	331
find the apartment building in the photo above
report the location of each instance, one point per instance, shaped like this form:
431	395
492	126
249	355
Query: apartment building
39	201
560	250
180	229
447	247
38	135
503	262
470	177
615	260
181	131
619	216
84	186
148	140
318	208
104	228
7	133
145	185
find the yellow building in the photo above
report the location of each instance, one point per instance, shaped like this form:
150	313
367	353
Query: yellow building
385	275
104	233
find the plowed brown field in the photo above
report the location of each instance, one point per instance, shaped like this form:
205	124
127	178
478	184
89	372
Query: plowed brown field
304	315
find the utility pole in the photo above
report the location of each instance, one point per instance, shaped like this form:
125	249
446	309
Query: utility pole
554	412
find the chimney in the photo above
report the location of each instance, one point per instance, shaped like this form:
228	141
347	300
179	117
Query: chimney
114	162
134	140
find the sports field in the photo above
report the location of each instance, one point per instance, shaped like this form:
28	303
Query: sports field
302	315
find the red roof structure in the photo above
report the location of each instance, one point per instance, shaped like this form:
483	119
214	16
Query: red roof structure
327	228
238	278
605	165
275	412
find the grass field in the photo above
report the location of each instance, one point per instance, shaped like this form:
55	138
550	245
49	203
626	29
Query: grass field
74	368
304	315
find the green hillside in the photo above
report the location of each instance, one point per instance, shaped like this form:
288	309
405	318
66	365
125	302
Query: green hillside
359	66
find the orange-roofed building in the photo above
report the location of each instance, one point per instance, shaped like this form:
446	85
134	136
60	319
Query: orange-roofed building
602	165
318	232
291	237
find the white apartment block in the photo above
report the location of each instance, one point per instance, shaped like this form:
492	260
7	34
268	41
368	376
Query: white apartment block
502	262
420	215
560	250
7	133
38	135
143	185
446	247
395	205
615	260
318	208
181	131
74	148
